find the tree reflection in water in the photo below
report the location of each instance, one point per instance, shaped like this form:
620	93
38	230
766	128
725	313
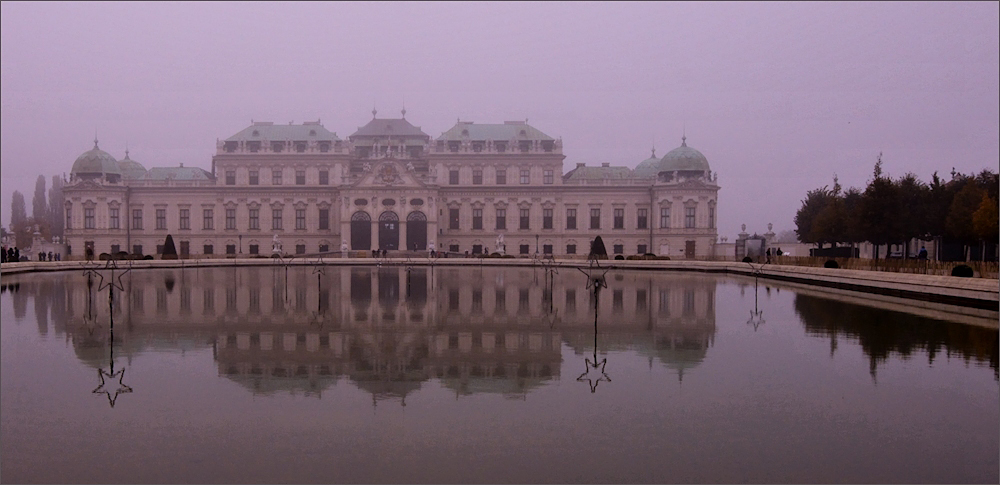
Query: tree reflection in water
882	333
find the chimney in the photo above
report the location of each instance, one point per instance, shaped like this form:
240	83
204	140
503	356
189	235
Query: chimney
182	165
606	164
580	164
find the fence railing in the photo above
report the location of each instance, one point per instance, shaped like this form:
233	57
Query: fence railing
981	269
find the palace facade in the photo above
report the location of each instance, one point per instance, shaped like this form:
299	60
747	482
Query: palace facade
391	186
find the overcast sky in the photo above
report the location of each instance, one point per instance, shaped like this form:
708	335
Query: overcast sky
778	96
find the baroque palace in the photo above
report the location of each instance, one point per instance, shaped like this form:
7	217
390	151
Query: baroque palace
391	186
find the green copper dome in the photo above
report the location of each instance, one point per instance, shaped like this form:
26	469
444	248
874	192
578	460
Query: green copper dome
648	167
96	162
684	158
131	169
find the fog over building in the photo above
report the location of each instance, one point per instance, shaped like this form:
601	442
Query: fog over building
390	185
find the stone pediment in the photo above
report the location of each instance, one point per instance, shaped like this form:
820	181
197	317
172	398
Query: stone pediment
388	173
87	184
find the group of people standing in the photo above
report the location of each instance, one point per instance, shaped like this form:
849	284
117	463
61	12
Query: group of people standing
13	254
10	254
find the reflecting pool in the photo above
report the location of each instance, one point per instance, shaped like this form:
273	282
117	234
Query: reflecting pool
422	374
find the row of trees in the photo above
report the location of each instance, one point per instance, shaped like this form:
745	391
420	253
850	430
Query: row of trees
963	210
46	212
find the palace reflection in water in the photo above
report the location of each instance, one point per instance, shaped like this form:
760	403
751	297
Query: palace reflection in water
390	329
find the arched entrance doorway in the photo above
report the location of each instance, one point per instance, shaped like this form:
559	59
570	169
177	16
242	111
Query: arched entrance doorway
361	231
388	231
416	231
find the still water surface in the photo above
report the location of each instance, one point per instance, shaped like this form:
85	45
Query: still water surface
482	375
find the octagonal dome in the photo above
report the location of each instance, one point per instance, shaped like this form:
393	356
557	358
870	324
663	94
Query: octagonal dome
131	169
648	167
684	158
96	162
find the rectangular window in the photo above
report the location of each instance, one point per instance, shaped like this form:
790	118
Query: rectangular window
254	218
642	249
664	217
254	249
711	217
88	218
324	248
161	218
254	177
619	218
689	217
524	249
477	249
453	218
137	249
276	219
136	218
208	249
547	177
525	176
618	248
525	218
571	249
324	219
300	219
230	249
477	177
231	219
185	218
547	248
595	218
453	177
546	218
501	176
230	177
276	176
113	218
208	219
501	218
115	249
300	177
640	222
570	218
324	177
69	218
477	218
300	249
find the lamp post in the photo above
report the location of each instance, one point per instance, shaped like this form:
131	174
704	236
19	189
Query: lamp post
241	244
536	244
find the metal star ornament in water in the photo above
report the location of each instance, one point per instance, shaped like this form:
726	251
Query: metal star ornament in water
109	382
594	374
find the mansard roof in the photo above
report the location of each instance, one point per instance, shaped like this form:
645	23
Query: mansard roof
604	172
268	131
176	173
509	130
389	127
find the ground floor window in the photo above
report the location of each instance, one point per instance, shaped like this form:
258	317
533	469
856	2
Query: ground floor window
453	248
619	248
547	248
524	249
477	249
137	249
230	249
642	249
115	249
300	249
324	248
254	249
209	249
571	249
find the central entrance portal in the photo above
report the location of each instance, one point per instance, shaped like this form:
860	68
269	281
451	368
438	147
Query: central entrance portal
388	231
416	231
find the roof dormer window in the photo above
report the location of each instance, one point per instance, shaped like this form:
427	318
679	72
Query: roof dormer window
256	133
312	132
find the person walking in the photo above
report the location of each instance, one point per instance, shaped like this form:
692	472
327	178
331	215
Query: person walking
768	254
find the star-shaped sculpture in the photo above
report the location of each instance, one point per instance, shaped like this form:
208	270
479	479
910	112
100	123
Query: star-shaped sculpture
104	388
756	319
113	280
595	373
